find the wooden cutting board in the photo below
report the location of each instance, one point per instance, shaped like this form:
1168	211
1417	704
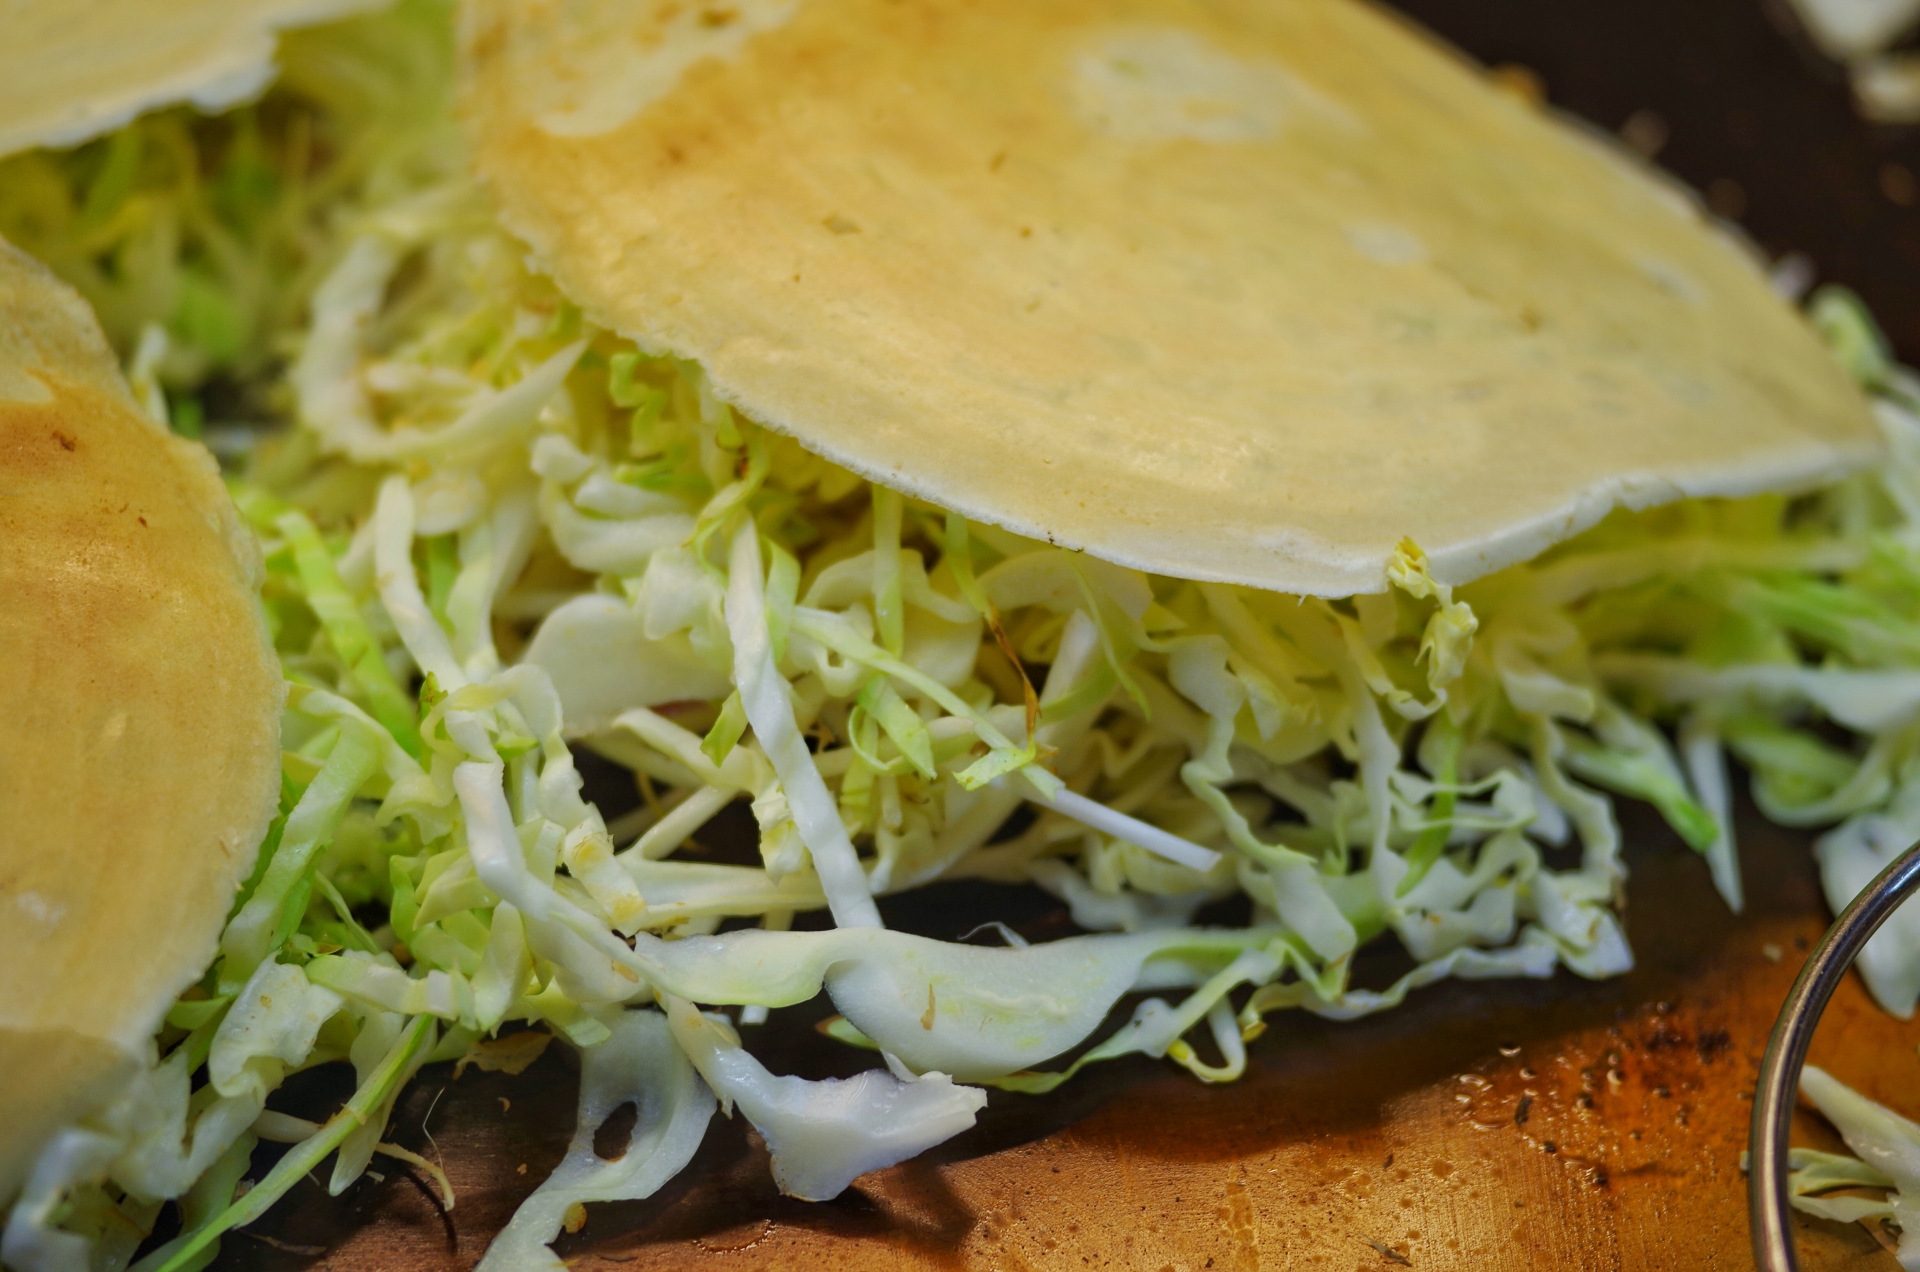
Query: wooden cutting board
1500	1125
1503	1125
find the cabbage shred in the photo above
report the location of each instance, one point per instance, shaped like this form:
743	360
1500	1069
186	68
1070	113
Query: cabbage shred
496	532
1889	1163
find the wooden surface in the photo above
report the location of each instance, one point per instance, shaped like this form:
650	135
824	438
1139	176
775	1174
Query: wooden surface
1563	1125
1501	1125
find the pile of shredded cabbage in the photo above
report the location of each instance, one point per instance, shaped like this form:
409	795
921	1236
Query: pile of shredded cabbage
495	532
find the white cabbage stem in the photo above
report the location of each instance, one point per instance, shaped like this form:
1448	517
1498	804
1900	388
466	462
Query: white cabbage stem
1108	821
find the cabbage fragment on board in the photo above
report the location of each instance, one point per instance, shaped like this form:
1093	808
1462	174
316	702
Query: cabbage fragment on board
637	1063
1889	1159
496	535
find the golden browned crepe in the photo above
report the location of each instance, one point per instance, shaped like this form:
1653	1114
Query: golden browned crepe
1245	291
139	714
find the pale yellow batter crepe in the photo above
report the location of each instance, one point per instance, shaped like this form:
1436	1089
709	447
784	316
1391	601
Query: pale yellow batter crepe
139	715
1245	291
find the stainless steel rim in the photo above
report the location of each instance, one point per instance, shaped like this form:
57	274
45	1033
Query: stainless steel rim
1767	1204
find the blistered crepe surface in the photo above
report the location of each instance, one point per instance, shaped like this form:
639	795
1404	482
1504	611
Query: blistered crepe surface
1245	290
70	69
139	714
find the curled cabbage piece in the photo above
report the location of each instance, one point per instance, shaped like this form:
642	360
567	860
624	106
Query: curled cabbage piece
1888	1148
637	1063
824	1134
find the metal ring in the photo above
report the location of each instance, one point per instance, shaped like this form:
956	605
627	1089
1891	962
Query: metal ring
1767	1203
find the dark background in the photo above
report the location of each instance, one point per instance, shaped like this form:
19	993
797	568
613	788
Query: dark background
1753	117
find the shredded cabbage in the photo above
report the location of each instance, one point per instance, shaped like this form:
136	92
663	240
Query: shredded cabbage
200	240
495	532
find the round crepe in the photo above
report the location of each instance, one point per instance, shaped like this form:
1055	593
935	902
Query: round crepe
71	69
139	715
1243	291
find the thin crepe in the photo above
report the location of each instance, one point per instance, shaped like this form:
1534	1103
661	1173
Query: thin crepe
1245	291
139	714
72	69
